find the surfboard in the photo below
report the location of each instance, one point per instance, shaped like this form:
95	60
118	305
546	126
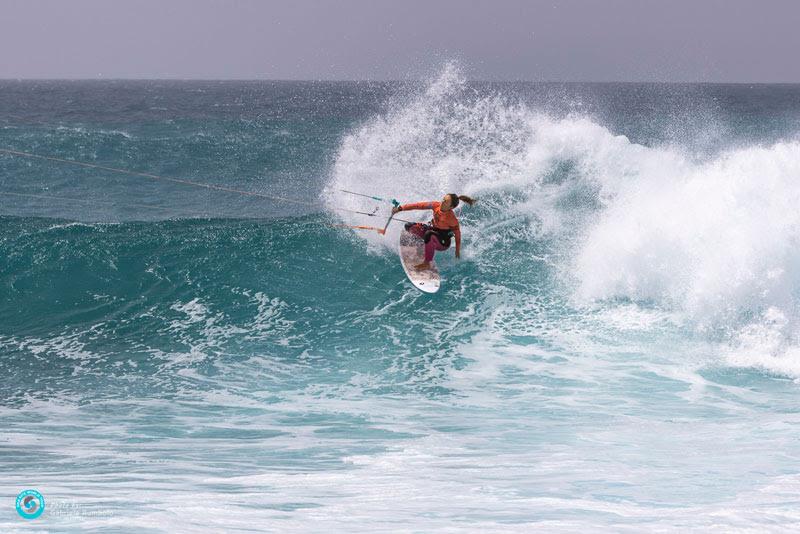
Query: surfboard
412	252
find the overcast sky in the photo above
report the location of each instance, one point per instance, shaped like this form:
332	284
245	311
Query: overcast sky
566	40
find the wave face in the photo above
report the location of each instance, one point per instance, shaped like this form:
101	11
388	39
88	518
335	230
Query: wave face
709	236
617	349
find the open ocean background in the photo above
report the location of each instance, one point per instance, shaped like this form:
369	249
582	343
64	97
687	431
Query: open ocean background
617	350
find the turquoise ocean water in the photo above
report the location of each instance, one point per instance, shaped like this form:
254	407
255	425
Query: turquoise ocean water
617	350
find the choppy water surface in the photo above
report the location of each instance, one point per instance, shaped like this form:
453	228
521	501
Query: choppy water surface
618	348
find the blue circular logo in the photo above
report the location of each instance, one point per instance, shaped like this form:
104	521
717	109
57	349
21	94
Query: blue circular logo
30	504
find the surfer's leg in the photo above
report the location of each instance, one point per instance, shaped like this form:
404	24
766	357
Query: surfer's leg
431	247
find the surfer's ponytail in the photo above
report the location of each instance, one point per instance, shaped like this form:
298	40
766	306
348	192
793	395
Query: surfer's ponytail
464	198
469	200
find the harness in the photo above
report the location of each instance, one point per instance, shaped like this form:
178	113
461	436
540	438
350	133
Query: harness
443	235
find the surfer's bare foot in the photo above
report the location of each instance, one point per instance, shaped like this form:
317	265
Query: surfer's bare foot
424	266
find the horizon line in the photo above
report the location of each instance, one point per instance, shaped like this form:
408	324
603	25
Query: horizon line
408	80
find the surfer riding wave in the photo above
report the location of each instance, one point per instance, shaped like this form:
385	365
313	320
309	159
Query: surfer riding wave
444	225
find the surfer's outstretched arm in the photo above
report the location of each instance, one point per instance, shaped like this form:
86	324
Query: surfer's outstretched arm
415	206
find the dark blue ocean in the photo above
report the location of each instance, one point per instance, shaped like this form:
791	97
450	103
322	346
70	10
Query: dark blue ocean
618	349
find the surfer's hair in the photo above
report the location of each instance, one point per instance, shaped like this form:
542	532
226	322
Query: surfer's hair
464	198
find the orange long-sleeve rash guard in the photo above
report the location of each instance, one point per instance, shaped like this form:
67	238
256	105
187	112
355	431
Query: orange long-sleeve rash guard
444	220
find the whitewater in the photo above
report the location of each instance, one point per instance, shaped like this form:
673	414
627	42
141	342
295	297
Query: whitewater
618	348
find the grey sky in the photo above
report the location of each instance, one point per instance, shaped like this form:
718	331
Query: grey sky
609	40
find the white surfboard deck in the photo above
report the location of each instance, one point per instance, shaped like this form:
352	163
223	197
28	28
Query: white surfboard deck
412	252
